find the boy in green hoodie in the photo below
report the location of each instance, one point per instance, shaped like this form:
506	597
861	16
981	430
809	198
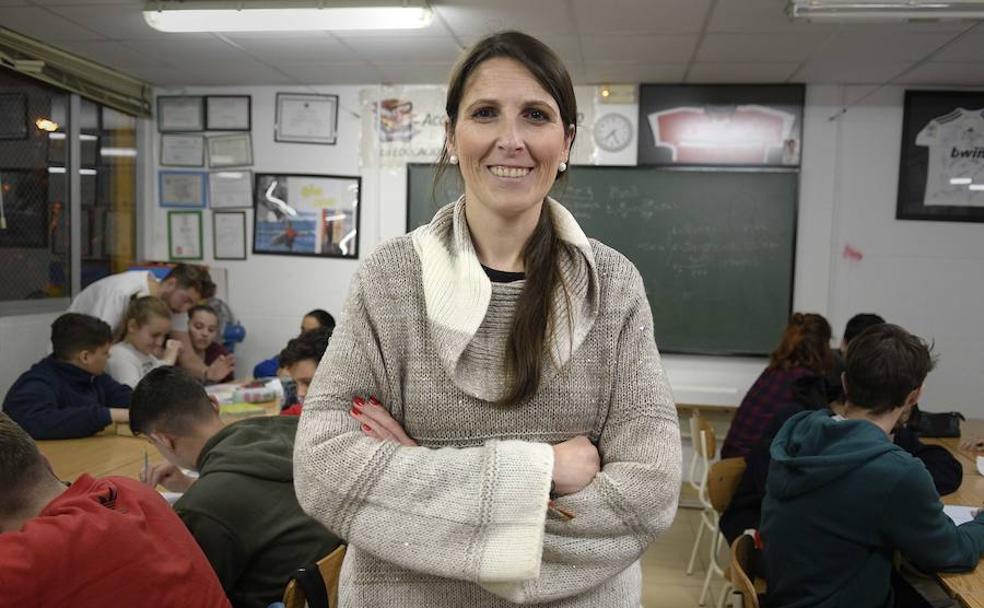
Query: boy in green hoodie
242	510
841	498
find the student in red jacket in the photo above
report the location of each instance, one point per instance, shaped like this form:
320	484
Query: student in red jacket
99	542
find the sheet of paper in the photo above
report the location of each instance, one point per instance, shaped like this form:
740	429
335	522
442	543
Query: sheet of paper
960	514
980	465
171	497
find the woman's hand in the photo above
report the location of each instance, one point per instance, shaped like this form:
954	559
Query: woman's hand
377	423
167	475
973	443
576	462
172	348
220	368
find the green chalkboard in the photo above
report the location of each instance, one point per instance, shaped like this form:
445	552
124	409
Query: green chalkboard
715	248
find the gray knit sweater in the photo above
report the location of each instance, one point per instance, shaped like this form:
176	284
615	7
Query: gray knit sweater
463	520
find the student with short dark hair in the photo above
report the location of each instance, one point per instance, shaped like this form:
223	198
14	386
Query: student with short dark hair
315	319
855	325
242	510
99	542
68	394
300	359
841	498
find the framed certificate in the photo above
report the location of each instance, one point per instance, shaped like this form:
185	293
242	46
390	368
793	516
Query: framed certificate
182	151
230	189
186	189
230	150
180	113
229	235
184	235
228	112
306	118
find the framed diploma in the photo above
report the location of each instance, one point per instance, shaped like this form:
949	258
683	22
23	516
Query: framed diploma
180	113
184	235
229	235
182	151
306	118
230	150
186	189
311	215
230	189
228	112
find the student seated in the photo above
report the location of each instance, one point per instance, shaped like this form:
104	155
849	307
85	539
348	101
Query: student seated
316	319
804	351
148	319
855	325
67	394
300	359
203	327
98	542
841	498
242	509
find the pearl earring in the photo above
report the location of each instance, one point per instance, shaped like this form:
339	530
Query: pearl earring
562	167
453	159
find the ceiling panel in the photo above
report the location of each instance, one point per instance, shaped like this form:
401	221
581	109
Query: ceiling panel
280	50
758	16
718	48
44	25
879	45
402	49
966	48
311	73
112	54
741	72
187	50
477	17
856	72
618	72
112	21
623	16
415	73
940	73
659	48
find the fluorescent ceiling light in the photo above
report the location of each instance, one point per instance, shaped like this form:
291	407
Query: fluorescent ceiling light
245	16
885	10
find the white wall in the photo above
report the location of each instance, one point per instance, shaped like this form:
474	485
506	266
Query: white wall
926	276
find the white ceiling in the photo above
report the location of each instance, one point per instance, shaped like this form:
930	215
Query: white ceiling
602	41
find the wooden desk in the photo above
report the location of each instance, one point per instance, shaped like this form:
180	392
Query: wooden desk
968	587
108	453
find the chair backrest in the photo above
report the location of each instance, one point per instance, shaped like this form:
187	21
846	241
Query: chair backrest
329	567
722	481
705	441
742	552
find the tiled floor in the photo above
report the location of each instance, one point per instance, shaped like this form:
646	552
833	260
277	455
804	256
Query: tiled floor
665	583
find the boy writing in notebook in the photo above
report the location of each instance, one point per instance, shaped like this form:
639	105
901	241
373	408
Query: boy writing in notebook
98	542
68	394
841	498
242	510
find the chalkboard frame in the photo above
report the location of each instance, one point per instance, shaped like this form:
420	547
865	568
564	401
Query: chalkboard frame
683	169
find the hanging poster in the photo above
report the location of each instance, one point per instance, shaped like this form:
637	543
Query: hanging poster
401	124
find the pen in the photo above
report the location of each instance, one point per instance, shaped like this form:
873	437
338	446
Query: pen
146	468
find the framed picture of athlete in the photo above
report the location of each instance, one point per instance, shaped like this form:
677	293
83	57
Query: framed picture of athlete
721	125
941	170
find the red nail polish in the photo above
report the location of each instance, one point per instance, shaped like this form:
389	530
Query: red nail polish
356	410
373	400
358	401
366	427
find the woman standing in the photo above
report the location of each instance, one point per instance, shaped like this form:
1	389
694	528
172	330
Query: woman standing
519	355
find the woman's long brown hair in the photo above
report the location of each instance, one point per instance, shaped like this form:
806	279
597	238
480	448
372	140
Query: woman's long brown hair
805	343
532	318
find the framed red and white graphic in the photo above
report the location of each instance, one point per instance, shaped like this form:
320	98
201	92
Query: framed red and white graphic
720	125
941	170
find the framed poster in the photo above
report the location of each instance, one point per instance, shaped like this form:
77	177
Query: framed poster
720	125
941	169
306	118
230	150
182	150
186	189
230	189
13	116
180	113
229	235
228	112
184	235
312	215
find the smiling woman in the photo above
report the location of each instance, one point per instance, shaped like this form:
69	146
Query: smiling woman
491	424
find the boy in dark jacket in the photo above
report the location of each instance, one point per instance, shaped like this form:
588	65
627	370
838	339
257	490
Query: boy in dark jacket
67	394
242	510
841	498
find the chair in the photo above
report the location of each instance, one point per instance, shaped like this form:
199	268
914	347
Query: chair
328	570
742	551
722	481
